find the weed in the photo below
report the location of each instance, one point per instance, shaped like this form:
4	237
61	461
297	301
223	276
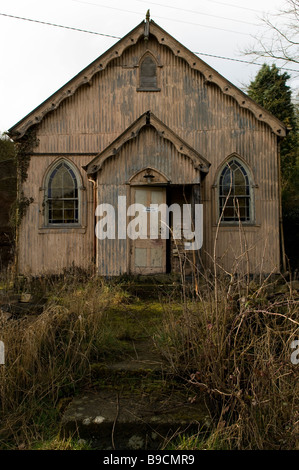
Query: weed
234	348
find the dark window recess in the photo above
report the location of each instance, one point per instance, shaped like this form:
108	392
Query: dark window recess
63	201
148	74
234	193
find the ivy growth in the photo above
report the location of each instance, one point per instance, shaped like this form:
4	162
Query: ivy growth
18	209
23	150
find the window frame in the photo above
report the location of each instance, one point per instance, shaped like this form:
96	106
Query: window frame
144	88
219	215
60	225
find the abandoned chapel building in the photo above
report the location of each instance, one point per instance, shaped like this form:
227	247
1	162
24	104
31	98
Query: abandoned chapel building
150	121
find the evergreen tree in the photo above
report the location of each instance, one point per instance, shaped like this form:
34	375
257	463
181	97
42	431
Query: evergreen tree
7	149
8	193
270	90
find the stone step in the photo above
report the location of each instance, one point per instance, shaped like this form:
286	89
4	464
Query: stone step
143	360
134	403
152	286
17	309
124	420
152	291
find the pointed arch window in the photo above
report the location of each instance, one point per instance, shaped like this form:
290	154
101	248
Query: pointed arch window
148	74
62	195
235	193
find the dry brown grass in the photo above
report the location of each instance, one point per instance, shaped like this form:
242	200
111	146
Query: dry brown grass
233	346
48	356
231	343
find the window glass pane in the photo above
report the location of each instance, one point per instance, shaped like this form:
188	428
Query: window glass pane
242	211
233	166
57	204
69	204
242	202
62	196
148	73
234	182
58	216
240	190
68	181
231	202
73	176
69	215
239	178
227	186
227	178
229	212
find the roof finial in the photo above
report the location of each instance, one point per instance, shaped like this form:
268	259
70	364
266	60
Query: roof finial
146	26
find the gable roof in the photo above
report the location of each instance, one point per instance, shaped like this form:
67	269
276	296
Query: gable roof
147	119
144	29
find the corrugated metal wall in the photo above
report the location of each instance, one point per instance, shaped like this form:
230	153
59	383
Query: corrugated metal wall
148	149
41	250
209	121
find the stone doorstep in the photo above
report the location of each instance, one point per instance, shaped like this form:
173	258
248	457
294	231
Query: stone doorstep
144	357
131	422
149	366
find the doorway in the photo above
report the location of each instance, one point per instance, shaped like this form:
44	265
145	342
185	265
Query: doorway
148	255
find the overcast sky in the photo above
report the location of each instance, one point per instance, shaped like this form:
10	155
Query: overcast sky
37	59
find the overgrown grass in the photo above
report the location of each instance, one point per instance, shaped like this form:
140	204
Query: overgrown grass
48	357
234	345
58	443
230	342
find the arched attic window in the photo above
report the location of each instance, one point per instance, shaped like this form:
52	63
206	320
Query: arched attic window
235	193
62	195
148	74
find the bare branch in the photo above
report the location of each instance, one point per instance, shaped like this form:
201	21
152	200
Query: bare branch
284	43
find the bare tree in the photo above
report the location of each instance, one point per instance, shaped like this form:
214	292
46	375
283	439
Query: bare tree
284	42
